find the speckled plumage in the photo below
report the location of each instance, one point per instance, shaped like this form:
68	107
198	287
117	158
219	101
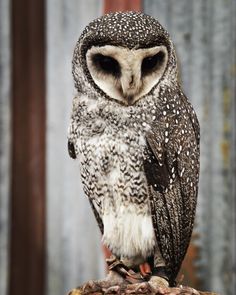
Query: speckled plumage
141	159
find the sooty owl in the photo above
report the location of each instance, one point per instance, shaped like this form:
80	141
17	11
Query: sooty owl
137	139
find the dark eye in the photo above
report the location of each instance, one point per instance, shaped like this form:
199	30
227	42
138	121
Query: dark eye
107	64
152	63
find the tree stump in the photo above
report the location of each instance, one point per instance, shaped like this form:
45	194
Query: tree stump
184	290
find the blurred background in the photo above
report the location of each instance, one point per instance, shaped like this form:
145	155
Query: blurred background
49	241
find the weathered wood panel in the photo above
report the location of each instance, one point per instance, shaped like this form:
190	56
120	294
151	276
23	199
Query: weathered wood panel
204	35
121	5
27	236
5	139
72	234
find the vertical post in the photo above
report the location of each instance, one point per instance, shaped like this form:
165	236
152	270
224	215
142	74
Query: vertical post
5	141
27	250
122	5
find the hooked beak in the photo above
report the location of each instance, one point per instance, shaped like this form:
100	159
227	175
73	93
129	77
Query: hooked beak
130	87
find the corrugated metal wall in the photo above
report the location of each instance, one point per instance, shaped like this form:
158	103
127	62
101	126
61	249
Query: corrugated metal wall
5	138
204	34
73	239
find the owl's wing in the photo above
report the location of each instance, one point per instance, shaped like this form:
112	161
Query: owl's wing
93	204
73	134
97	216
172	171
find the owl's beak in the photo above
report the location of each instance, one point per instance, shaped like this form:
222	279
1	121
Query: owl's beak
130	87
130	99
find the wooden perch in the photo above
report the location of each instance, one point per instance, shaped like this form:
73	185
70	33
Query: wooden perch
184	290
124	288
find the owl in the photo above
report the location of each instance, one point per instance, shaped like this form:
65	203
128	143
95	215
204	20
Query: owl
136	137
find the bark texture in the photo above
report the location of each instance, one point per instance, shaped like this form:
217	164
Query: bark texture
167	291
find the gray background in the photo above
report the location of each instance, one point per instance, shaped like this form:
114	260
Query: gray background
204	34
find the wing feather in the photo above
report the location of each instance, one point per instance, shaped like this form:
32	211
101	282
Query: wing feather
172	170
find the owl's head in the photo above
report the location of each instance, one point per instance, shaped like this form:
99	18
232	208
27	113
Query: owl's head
123	56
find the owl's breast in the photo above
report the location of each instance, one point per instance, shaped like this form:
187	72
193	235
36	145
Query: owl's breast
111	145
114	179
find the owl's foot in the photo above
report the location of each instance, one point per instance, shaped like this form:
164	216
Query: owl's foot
129	276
